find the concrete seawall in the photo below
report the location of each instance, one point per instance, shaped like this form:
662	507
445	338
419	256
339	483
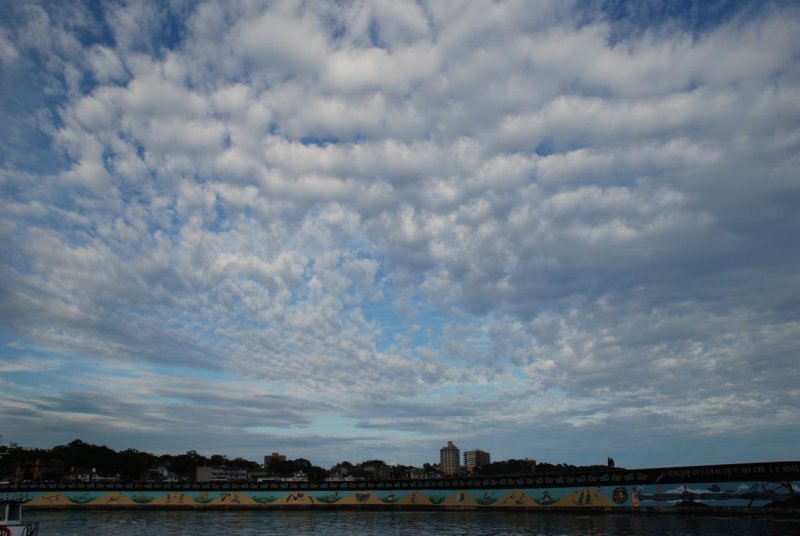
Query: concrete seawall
749	489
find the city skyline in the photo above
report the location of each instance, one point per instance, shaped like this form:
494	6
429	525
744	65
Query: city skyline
563	230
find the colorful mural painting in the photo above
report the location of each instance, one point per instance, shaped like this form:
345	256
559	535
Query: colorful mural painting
768	485
743	494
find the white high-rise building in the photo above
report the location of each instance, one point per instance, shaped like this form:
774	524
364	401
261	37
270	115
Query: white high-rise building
449	459
476	458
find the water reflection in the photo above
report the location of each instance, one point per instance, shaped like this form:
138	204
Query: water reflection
304	522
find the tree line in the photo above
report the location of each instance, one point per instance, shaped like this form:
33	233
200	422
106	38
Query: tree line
128	464
132	464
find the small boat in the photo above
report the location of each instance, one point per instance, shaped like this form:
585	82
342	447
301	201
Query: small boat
11	523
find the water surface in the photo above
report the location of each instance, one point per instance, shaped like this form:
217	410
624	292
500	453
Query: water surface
301	522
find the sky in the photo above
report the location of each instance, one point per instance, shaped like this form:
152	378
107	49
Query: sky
357	230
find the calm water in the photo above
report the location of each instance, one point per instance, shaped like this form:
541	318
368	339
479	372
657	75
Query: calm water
143	523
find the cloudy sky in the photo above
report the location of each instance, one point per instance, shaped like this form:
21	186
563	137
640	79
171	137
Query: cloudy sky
356	229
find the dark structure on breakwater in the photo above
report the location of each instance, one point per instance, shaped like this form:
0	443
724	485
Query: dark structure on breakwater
732	487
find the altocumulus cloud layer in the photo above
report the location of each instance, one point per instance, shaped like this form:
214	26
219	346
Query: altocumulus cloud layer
359	229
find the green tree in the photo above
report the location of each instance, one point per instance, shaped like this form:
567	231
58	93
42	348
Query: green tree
132	463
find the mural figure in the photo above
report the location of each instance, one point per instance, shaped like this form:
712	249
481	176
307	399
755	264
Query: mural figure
234	497
330	498
619	495
585	498
515	498
546	499
487	499
203	498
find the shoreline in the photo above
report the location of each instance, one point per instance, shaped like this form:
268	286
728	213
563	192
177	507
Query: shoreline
771	489
714	511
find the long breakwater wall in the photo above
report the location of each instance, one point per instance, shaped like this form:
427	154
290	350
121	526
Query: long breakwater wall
745	487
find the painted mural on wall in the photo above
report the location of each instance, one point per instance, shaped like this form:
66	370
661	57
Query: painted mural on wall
752	485
728	494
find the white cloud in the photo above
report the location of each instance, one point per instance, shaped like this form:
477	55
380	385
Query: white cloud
107	65
284	38
8	52
496	214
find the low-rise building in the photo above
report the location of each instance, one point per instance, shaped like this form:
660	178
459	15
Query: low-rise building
221	474
39	470
274	458
159	473
416	473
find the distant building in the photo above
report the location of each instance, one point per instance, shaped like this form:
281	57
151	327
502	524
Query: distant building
336	476
449	459
476	458
81	474
159	473
376	471
297	476
274	458
221	474
39	470
416	473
